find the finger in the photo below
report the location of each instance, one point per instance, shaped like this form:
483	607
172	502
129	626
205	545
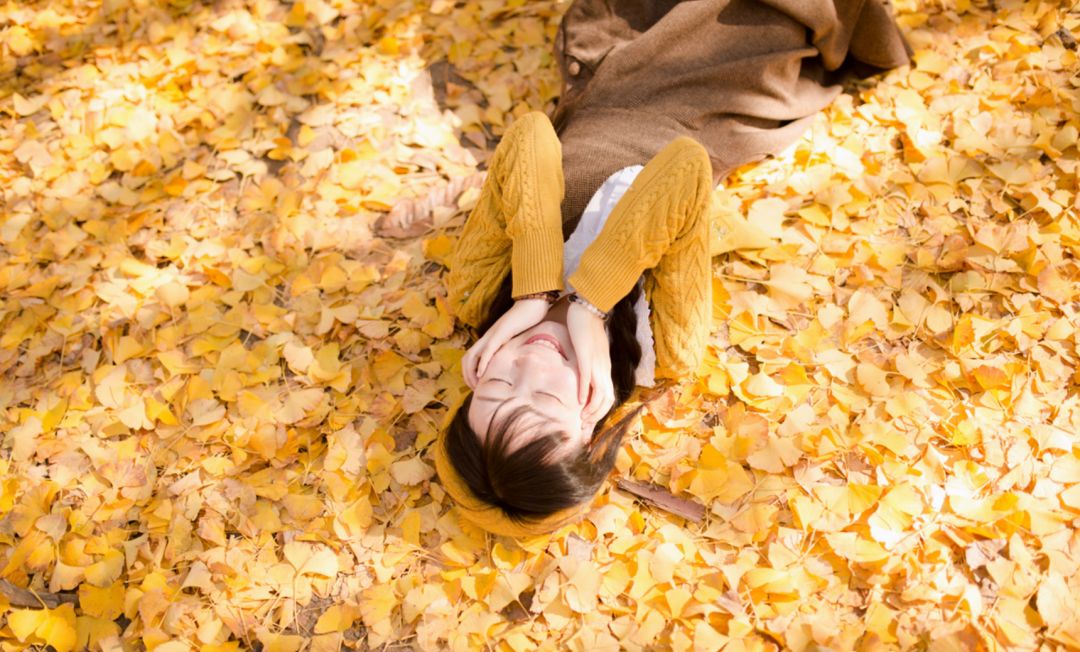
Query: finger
591	412
485	358
584	381
603	405
590	416
468	369
601	402
475	355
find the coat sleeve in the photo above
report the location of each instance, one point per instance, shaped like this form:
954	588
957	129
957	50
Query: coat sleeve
661	224
516	224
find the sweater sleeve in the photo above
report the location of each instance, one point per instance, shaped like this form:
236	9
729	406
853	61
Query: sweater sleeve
517	222
680	288
662	224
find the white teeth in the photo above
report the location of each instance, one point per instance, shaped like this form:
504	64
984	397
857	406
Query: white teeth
549	343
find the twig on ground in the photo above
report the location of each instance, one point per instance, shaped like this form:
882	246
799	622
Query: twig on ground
20	597
661	498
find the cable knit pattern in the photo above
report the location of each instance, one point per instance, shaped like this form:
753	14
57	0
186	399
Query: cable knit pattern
516	224
661	224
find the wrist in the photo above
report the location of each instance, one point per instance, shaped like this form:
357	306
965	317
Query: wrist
589	307
551	296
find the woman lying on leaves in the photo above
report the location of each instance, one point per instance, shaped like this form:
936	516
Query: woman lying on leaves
586	263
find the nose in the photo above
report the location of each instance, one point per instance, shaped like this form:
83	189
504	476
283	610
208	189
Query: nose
537	360
532	358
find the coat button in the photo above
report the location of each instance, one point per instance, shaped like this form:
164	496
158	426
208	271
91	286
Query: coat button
574	68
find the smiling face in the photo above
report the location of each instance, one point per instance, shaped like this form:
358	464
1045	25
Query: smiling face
537	369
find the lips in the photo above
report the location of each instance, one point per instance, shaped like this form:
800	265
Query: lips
549	339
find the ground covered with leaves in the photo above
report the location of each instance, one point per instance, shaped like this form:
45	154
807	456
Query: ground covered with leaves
219	387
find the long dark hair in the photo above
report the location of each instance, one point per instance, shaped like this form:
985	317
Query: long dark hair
526	483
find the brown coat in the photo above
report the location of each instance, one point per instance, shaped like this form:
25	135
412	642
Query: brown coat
742	77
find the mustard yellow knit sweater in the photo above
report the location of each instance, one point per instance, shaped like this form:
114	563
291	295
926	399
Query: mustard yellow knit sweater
659	228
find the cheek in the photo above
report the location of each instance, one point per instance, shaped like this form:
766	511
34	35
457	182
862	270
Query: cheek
562	382
479	416
564	373
496	367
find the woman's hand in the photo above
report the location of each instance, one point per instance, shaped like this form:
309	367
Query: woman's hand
590	340
521	316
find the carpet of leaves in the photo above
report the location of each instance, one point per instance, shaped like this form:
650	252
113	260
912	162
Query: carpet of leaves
219	388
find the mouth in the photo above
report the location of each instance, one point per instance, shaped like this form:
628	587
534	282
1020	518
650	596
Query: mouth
547	341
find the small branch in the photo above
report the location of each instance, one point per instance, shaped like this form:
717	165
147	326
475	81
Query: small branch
661	498
20	597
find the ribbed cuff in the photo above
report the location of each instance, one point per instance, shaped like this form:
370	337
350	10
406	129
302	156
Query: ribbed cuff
536	260
604	275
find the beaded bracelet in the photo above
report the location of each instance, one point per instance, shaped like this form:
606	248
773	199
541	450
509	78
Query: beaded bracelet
551	296
584	303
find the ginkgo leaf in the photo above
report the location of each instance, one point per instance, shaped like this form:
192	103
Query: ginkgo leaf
297	404
220	379
28	106
411	471
299	357
105	603
311	560
56	627
337	618
105	572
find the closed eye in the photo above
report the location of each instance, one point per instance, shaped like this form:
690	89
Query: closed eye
481	397
552	396
503	380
